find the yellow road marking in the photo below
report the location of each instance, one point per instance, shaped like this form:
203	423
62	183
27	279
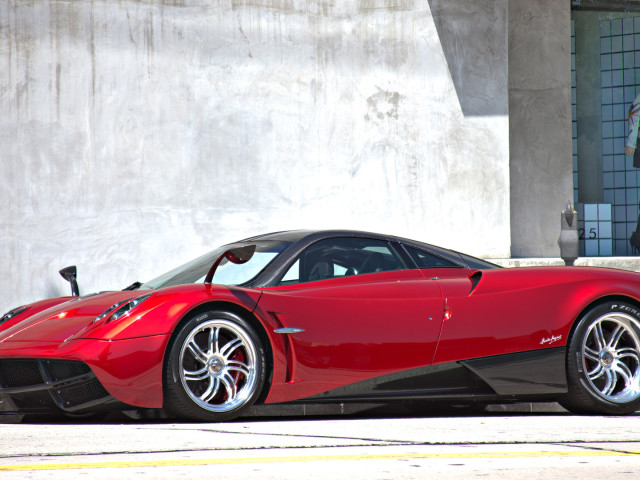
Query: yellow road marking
312	458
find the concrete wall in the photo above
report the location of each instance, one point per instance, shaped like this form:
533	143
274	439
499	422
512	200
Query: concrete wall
135	135
539	124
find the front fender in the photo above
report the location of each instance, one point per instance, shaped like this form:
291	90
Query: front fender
161	313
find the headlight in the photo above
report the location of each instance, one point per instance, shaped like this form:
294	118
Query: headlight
9	315
121	308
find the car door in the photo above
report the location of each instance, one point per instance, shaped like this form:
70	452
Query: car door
362	316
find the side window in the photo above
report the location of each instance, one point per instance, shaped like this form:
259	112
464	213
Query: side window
427	260
342	257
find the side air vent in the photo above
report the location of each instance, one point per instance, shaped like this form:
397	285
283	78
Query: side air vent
475	279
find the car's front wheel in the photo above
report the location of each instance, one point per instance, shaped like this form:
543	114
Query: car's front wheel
603	361
215	369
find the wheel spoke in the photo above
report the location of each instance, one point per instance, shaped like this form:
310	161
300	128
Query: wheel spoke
628	352
611	383
214	340
591	354
230	385
197	352
616	335
599	336
622	370
196	376
230	347
596	372
235	366
212	390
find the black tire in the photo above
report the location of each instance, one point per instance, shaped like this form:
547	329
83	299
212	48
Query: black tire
603	361
215	368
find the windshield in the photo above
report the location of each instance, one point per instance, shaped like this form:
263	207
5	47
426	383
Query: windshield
228	273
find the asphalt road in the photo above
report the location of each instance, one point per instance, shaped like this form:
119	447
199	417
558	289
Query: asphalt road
372	445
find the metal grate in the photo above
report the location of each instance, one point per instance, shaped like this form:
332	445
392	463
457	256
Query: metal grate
79	394
61	369
19	373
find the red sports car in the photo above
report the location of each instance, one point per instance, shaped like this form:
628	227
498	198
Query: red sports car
329	316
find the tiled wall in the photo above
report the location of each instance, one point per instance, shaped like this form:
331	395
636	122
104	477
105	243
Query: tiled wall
595	230
620	76
574	116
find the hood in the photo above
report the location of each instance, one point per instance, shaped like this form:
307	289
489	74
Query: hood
59	322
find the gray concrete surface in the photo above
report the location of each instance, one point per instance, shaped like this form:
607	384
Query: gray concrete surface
544	445
539	123
135	135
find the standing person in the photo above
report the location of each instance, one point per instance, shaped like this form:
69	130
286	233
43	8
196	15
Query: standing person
630	150
632	139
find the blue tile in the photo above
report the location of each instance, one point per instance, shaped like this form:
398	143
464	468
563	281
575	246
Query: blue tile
616	61
591	248
619	112
620	248
619	163
605	45
605	62
628	59
604	229
629	94
618	145
590	211
616	27
604	212
620	229
605	27
619	199
618	182
608	195
632	196
617	78
607	167
629	76
618	95
606	248
627	25
607	146
616	44
631	178
619	129
628	43
607	129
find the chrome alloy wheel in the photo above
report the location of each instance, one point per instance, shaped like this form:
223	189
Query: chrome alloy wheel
219	364
611	353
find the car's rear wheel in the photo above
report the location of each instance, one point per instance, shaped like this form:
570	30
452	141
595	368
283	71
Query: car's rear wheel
215	369
603	361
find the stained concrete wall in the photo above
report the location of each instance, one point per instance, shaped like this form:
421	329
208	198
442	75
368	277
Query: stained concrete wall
135	135
539	124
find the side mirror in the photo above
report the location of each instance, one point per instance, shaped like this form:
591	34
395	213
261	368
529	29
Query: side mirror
234	255
70	274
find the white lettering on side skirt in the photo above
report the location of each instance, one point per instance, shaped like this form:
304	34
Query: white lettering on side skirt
551	339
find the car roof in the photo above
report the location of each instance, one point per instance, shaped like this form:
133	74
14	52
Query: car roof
301	239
